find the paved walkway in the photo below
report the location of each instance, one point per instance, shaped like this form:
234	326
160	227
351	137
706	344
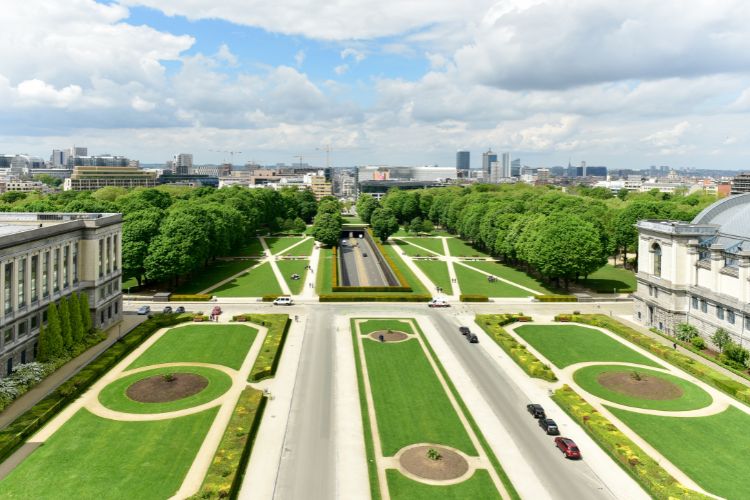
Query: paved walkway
54	380
308	289
276	271
451	269
421	276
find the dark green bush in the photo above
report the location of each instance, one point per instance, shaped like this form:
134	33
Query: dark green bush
473	297
196	297
374	298
556	298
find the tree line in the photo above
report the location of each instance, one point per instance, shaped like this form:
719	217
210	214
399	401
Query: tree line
68	324
561	236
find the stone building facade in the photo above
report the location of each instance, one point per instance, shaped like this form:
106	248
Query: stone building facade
697	272
47	256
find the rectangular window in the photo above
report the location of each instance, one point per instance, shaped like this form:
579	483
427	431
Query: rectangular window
102	315
747	322
21	282
75	262
114	252
107	259
116	307
101	258
22	328
55	270
719	312
8	335
45	274
704	306
8	287
34	276
695	302
730	316
66	254
44	317
34	322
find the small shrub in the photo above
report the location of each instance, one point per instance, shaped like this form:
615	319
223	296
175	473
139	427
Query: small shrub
433	454
169	377
698	343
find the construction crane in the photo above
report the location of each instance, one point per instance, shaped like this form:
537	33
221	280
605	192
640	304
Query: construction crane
327	148
230	153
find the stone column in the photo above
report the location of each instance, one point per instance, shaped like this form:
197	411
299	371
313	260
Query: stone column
717	262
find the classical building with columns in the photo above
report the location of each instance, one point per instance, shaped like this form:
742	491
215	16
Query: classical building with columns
697	272
47	256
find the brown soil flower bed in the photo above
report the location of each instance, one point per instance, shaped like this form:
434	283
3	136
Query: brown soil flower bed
451	465
157	389
392	336
648	387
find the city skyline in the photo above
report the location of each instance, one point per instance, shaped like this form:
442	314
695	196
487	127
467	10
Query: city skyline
625	86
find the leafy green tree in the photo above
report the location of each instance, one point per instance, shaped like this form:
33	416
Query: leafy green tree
53	334
685	332
76	326
327	228
622	193
298	225
736	355
416	225
383	223
721	339
366	205
139	229
427	226
83	302
65	328
48	180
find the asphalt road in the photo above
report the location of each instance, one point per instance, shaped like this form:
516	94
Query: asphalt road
358	269
564	479
306	468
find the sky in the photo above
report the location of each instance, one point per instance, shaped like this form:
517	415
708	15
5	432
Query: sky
627	84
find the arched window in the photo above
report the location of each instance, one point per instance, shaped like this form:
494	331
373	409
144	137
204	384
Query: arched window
656	249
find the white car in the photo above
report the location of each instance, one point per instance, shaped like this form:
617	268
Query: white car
283	301
438	302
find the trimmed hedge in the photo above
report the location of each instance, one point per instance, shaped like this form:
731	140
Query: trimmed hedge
267	362
493	325
556	298
224	476
645	470
196	297
270	298
396	271
473	297
372	289
329	297
736	389
14	435
335	267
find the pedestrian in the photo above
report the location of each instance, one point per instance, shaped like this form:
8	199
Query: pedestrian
674	345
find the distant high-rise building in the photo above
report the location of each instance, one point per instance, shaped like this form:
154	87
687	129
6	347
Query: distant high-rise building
59	158
741	183
583	169
515	168
78	151
463	163
505	172
487	159
182	164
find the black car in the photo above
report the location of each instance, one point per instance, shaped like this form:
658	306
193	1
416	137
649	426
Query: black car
473	339
167	310
464	330
536	410
364	254
549	426
179	310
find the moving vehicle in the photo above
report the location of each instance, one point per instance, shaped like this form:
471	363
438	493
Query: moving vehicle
536	410
549	426
364	254
438	302
464	330
144	310
216	310
283	301
473	339
167	310
179	310
568	447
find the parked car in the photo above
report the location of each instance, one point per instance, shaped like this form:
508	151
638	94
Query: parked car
364	254
536	410
144	310
216	310
568	447
549	426
464	330
167	310
283	301
179	310
438	302
473	339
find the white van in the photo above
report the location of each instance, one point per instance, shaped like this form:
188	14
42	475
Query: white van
438	302
283	301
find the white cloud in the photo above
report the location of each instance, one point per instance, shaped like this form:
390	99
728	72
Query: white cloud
142	105
355	54
341	69
38	93
224	54
299	58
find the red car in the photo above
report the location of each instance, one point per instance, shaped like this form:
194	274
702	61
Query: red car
568	447
216	310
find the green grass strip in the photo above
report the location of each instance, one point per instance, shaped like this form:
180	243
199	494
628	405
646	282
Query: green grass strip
411	248
277	244
93	457
255	283
508	273
289	267
479	485
214	273
459	248
565	345
437	271
302	250
115	398
373	325
473	282
225	345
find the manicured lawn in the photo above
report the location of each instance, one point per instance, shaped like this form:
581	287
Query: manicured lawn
373	325
304	249
415	284
474	282
279	243
251	248
289	267
711	450
410	404
437	271
609	278
693	397
479	485
92	457
514	275
434	244
217	344
411	250
565	345
214	273
256	283
114	397
460	248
